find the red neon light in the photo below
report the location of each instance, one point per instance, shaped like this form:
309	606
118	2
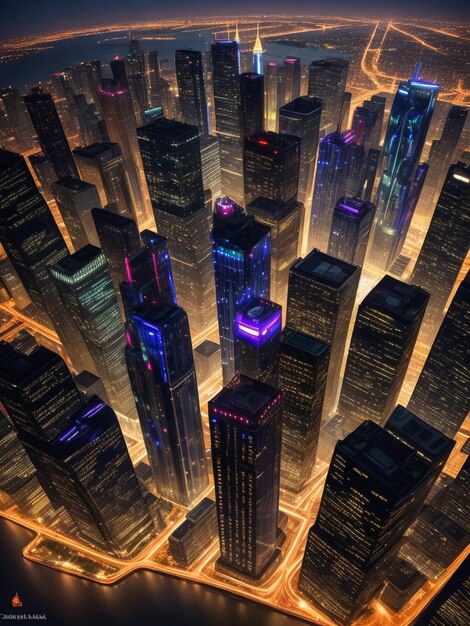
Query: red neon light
263	142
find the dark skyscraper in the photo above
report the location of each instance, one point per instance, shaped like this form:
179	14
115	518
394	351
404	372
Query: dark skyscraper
350	229
17	123
374	490
172	163
367	122
251	104
322	291
441	395
403	176
241	253
290	74
161	368
258	331
327	81
446	245
271	167
303	367
225	78
46	122
245	422
384	335
192	96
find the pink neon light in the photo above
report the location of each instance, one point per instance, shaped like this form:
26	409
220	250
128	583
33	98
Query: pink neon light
111	94
149	365
127	265
248	330
154	261
128	338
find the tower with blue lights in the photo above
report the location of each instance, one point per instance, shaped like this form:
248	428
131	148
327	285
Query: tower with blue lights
161	369
241	257
403	176
258	53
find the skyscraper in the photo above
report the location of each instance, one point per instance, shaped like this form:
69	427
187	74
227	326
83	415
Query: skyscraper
161	368
172	163
258	53
367	122
290	74
384	335
446	245
210	166
321	296
403	176
302	372
271	105
102	165
86	290
245	423
339	166
18	122
241	254
374	490
75	199
225	71
192	95
258	331
46	122
441	394
251	104
327	81
350	229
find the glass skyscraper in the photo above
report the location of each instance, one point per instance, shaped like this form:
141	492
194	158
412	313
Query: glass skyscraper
251	104
350	229
192	95
327	81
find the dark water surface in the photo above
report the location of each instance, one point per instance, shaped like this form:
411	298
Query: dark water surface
144	598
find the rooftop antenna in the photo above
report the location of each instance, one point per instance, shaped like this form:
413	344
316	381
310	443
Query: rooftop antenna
237	36
417	72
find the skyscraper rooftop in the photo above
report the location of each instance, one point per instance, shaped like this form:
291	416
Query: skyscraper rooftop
325	268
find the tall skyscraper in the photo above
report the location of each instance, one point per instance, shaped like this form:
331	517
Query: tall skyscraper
384	335
161	368
339	166
446	245
302	372
321	296
18	123
271	104
46	122
225	72
441	394
241	254
345	110
271	167
367	122
32	241
251	104
75	199
258	53
258	331
245	422
290	75
118	113
102	165
403	176
172	163
350	229
86	289
327	81
283	218
374	490
192	95
210	165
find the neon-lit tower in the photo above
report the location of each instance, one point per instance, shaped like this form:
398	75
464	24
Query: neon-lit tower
403	176
258	53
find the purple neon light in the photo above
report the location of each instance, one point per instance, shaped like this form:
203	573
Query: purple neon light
127	265
225	208
111	94
257	333
349	209
350	136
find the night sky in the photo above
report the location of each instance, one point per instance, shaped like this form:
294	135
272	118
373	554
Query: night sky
25	17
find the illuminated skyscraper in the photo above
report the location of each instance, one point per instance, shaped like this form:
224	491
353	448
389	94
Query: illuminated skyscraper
283	218
17	123
118	113
367	122
384	335
322	291
258	53
289	74
86	290
271	167
302	372
241	254
75	199
258	331
350	229
172	163
271	104
245	422
403	176
374	490
345	109
210	166
445	247
101	164
441	394
46	122
251	104
192	96
225	78
161	367
339	166
369	173
32	241
327	81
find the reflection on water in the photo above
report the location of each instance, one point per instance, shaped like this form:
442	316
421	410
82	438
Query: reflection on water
142	599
